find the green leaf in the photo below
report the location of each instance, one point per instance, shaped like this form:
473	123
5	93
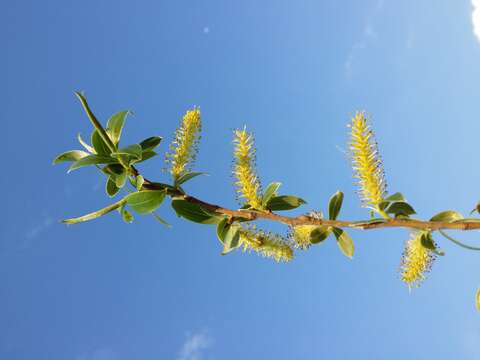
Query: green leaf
185	177
113	169
115	126
230	237
139	180
147	155
150	143
72	155
160	220
194	212
447	216
335	205
284	202
220	229
87	147
110	187
428	243
270	192
320	234
400	208
95	214
126	215
477	299
133	151
146	201
344	241
390	199
101	148
96	124
92	160
120	179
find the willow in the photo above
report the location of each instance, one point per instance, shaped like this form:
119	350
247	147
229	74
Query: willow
235	228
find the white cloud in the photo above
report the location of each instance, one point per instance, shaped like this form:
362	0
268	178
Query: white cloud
39	228
476	18
194	345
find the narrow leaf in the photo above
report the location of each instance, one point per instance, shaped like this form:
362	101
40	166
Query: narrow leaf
101	148
95	214
344	241
428	243
126	215
115	125
194	212
150	143
284	202
335	205
146	201
87	147
220	229
270	192
139	180
160	220
190	175
400	208
72	155
447	216
92	160
134	151
320	234
110	188
477	299
231	238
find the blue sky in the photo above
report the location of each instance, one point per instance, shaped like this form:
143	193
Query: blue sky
294	73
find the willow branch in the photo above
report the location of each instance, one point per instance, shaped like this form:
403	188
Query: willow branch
467	224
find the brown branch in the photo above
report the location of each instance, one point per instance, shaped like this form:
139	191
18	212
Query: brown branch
467	224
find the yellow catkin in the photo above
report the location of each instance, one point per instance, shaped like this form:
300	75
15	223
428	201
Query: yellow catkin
266	244
367	165
246	180
416	261
301	235
184	146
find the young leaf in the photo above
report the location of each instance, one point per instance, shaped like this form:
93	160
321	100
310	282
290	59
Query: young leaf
72	155
400	208
188	176
447	216
220	229
115	126
120	179
126	215
110	187
150	143
92	160
133	151
344	241
101	148
146	201
146	155
194	212
87	147
428	243
335	205
284	202
95	214
270	192
139	180
320	234
231	239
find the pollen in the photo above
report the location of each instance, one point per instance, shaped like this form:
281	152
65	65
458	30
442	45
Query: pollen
266	244
366	162
184	146
247	182
301	235
416	262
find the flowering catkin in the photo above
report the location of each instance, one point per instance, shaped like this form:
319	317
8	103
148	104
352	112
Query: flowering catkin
266	244
184	146
246	180
367	165
417	260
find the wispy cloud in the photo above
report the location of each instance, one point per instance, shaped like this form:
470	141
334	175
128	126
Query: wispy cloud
38	228
194	346
476	18
368	35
